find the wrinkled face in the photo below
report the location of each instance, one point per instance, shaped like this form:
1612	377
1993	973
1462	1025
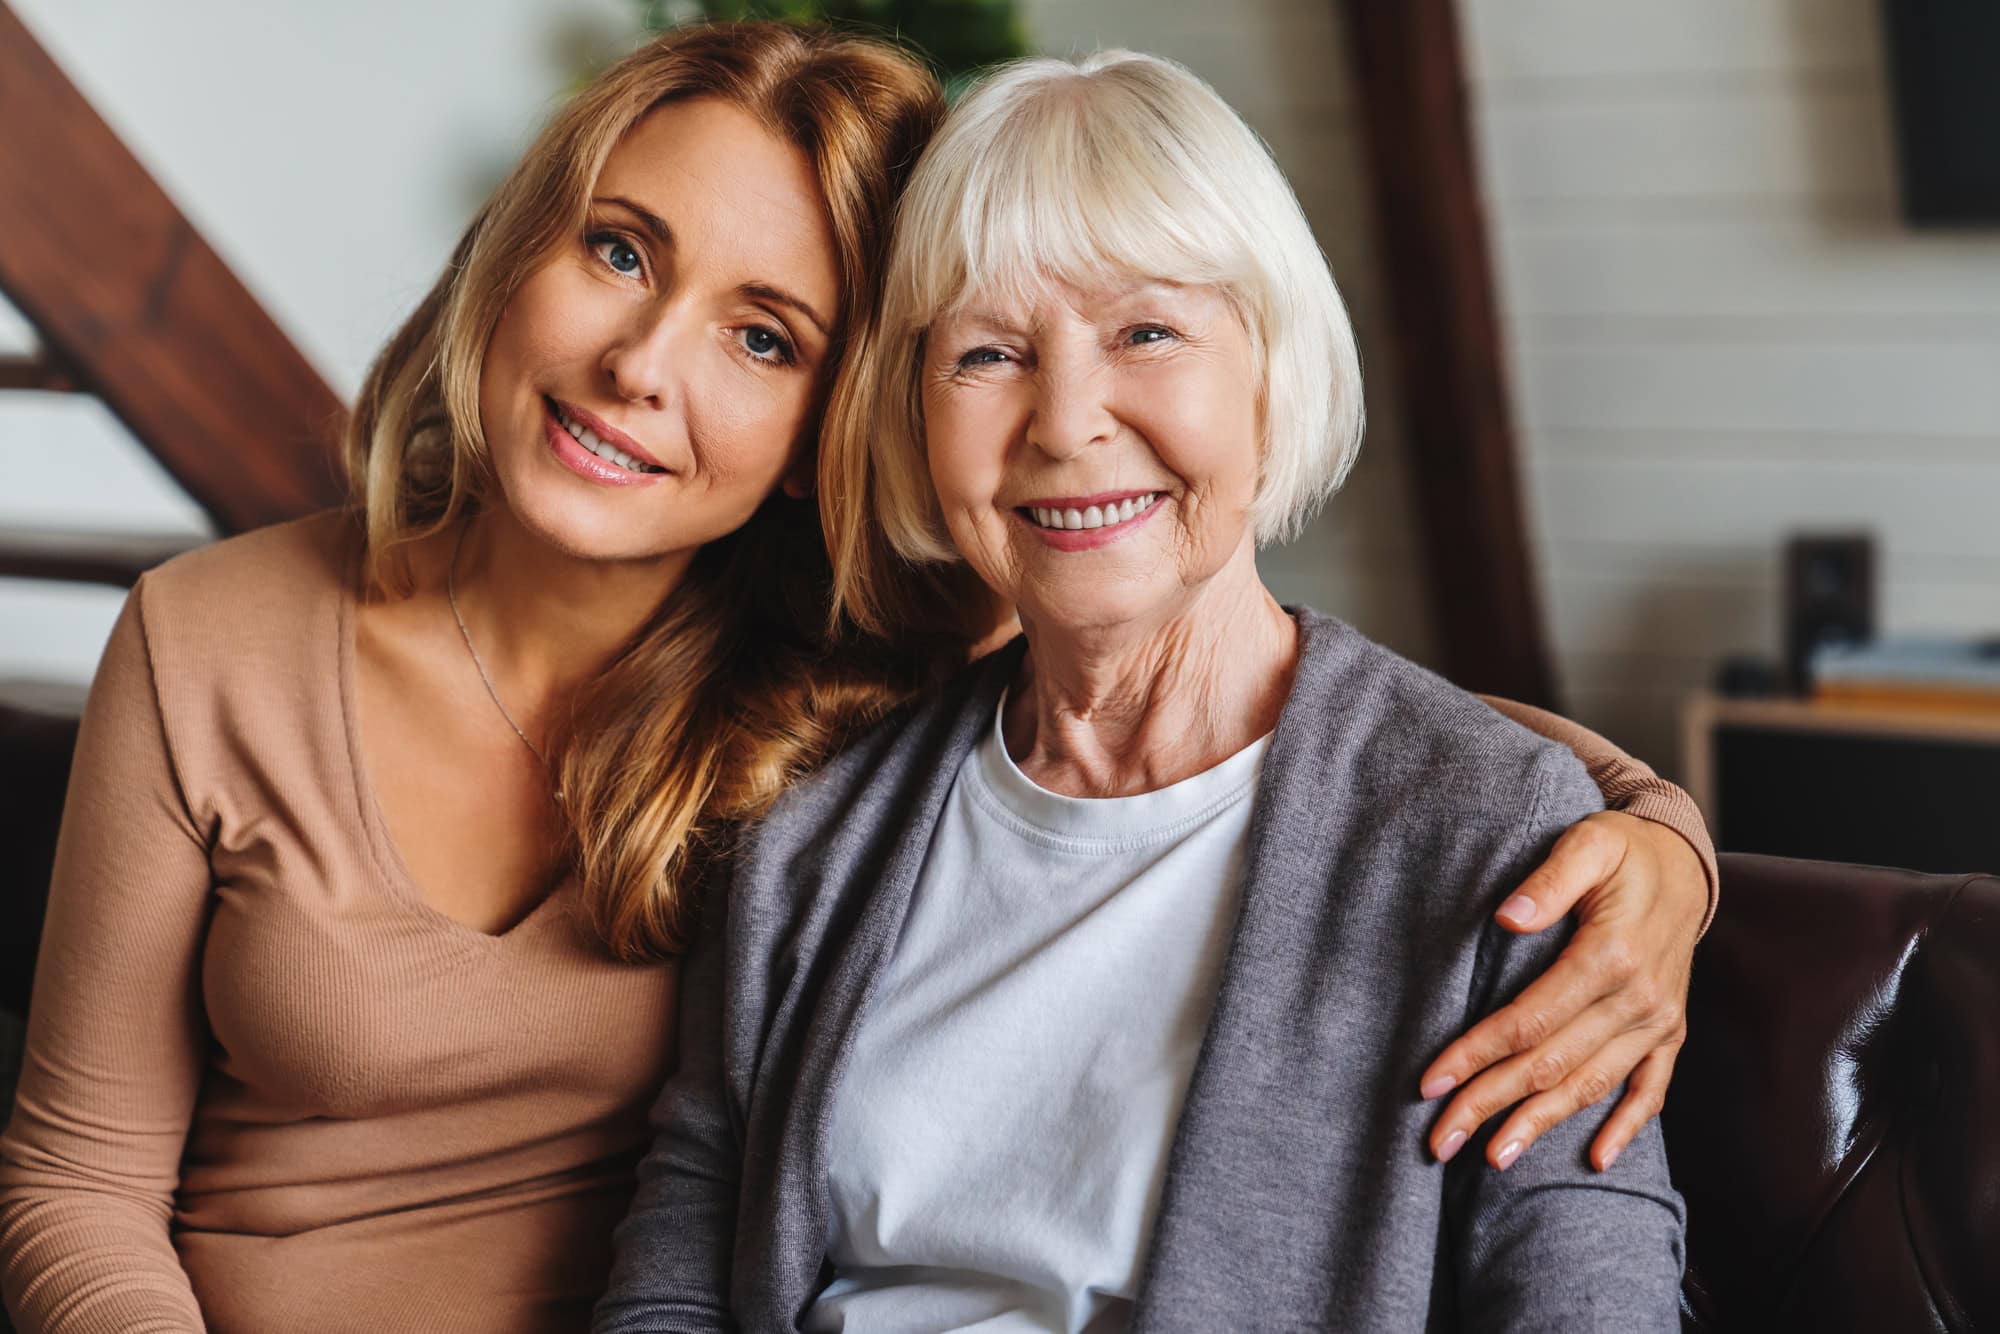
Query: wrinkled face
650	384
1095	452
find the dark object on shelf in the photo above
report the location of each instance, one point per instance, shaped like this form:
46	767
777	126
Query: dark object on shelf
1746	676
1943	55
1831	1120
1829	597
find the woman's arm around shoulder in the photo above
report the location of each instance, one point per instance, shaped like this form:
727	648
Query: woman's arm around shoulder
1551	1243
1641	879
91	1159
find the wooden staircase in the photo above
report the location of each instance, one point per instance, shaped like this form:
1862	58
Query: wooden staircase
130	304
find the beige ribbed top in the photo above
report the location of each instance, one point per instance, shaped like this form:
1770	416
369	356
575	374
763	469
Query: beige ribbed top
263	1074
267	1085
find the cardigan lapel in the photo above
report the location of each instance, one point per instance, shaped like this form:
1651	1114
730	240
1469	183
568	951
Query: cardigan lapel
1281	961
945	732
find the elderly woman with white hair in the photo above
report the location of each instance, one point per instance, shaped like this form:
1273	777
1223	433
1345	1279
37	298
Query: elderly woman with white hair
1093	991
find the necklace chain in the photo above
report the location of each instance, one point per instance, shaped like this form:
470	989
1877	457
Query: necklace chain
451	596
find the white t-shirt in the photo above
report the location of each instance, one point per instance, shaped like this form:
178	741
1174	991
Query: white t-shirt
1000	1139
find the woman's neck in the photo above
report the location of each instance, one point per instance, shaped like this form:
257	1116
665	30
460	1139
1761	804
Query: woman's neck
541	621
1116	711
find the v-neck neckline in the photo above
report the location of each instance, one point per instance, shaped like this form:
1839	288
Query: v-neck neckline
389	863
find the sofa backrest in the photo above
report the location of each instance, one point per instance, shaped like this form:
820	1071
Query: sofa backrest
1834	1121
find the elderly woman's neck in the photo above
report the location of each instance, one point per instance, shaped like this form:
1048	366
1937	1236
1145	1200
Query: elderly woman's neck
1115	712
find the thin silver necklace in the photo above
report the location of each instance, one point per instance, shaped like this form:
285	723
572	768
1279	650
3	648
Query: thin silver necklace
451	596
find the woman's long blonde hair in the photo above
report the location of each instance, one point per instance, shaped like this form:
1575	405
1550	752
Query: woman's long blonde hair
734	687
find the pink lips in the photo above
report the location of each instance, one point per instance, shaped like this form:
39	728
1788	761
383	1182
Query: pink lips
1088	539
587	465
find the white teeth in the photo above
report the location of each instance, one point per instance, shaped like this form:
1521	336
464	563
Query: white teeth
1094	516
588	438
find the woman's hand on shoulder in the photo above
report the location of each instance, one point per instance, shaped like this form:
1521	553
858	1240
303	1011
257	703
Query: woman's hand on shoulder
1609	1011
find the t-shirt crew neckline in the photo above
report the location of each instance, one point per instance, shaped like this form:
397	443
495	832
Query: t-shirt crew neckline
1106	824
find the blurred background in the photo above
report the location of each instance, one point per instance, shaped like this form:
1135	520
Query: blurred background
1665	302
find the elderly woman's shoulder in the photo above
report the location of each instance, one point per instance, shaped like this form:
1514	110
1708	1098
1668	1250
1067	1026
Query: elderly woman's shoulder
1404	725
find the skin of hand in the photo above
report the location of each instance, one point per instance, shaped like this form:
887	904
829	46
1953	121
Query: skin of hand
1611	1009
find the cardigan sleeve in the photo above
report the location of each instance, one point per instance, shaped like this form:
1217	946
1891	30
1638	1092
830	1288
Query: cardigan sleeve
1628	784
673	1254
1551	1243
91	1159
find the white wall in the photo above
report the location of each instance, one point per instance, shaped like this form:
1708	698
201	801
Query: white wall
1721	333
332	152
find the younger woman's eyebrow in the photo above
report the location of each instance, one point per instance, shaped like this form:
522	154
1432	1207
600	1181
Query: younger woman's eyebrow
648	219
766	292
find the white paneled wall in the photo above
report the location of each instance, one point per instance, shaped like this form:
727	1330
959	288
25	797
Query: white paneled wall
1721	333
1283	65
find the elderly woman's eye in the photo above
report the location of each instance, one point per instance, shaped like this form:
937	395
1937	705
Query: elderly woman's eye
1149	333
617	253
981	356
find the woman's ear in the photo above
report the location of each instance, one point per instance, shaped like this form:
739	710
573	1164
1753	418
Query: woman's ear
798	483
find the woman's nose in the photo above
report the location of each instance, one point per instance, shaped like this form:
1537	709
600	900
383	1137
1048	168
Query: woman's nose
1072	412
645	363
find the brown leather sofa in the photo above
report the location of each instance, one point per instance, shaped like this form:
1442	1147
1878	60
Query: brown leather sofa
1834	1122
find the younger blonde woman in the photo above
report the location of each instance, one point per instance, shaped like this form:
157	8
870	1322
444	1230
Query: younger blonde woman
351	1001
384	824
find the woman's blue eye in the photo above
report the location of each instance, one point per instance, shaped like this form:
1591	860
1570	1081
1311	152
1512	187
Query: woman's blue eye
981	356
617	253
765	343
1152	333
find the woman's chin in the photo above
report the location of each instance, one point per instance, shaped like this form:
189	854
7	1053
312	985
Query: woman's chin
1093	610
584	528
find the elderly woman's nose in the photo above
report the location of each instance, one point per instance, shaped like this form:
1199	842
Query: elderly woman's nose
1072	412
644	361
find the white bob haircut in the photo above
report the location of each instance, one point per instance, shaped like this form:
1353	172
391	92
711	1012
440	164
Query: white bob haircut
1119	166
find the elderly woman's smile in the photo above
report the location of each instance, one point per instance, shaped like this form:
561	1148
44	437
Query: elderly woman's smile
1095	448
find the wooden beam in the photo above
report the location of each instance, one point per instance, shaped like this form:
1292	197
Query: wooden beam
1432	238
92	558
124	290
44	373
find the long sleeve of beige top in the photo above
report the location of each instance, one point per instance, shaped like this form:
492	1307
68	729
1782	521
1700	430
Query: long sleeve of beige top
266	1087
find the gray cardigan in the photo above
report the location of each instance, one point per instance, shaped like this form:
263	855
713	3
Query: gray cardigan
1393	814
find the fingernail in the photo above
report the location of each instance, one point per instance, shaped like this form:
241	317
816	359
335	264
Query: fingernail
1452	1143
1437	1087
1610	1157
1520	910
1508	1153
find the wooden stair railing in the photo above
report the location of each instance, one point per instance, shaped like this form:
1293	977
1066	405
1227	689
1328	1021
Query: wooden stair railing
133	306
